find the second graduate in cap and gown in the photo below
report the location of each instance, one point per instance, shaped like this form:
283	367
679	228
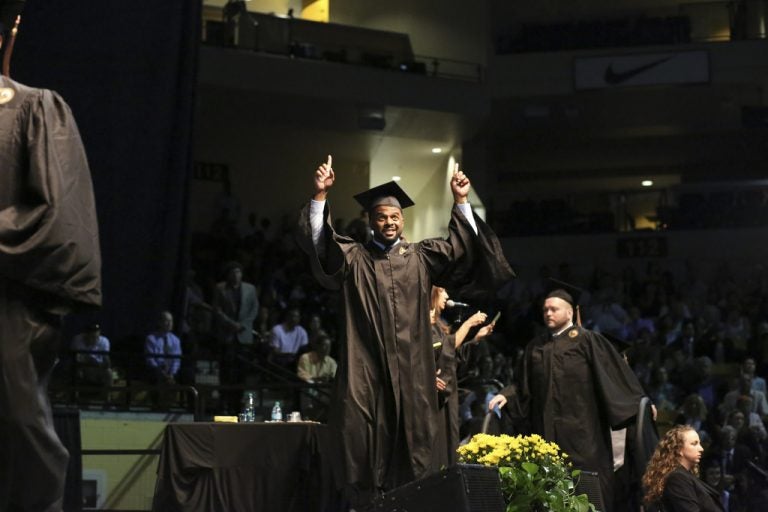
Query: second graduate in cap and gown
574	388
385	407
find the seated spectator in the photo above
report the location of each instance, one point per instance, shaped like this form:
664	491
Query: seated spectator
663	393
748	367
744	387
753	420
318	365
707	385
713	475
732	457
686	341
93	366
262	326
737	420
358	229
315	329
737	329
694	413
287	339
162	349
751	492
635	324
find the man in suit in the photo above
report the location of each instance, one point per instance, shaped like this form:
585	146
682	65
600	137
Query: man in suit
235	305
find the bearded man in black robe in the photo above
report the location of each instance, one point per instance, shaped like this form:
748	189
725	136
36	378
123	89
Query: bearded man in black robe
49	265
386	406
573	388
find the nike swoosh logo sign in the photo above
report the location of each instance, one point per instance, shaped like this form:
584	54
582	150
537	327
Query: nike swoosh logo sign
615	78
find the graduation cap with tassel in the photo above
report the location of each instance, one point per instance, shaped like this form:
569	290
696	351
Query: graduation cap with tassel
569	293
572	294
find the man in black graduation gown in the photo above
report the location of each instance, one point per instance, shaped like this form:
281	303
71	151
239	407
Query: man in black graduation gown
574	388
386	403
49	266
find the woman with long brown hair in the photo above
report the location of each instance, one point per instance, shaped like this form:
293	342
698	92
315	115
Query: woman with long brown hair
671	481
447	355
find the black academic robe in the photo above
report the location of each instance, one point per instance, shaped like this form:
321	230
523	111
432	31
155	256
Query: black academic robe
386	404
48	231
49	265
447	359
684	492
572	390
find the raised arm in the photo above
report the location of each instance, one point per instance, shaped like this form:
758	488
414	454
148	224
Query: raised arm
324	178
476	319
460	187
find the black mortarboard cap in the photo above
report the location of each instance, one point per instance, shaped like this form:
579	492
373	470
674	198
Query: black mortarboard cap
387	194
567	292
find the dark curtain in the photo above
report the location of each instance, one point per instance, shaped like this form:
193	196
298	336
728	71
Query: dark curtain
128	72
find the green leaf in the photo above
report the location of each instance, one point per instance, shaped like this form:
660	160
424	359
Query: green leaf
530	467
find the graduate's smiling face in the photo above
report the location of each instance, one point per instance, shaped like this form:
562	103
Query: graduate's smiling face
387	224
557	313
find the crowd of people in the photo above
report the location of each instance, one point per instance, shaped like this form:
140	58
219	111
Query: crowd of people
696	339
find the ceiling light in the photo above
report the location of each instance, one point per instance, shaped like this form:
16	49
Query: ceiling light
647	183
437	150
395	178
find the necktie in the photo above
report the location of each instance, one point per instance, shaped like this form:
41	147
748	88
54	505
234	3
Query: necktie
166	351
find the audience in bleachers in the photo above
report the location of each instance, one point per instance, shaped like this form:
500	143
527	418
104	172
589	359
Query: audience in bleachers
692	335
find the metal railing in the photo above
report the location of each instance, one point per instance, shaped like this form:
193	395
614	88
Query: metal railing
131	390
295	38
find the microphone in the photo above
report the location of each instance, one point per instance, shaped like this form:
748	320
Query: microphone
453	304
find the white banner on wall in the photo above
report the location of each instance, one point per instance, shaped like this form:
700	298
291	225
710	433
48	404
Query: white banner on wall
689	67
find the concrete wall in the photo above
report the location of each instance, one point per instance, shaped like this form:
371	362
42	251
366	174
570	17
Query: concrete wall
743	249
126	482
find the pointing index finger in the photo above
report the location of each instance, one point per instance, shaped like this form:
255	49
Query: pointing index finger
330	161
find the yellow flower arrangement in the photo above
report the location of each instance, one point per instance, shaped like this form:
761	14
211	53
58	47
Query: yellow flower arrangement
535	474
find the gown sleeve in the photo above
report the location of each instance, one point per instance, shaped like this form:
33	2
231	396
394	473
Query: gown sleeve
329	268
621	391
48	230
472	264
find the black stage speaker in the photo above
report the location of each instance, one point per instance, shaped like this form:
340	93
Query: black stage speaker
461	488
589	484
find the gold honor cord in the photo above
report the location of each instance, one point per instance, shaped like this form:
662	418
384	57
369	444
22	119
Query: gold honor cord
9	49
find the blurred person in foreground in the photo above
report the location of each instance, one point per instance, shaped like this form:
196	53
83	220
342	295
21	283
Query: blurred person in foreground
671	479
50	265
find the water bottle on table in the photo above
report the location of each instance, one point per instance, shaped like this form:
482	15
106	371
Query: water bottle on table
249	408
277	412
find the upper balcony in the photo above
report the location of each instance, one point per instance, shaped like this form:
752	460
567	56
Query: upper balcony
279	54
